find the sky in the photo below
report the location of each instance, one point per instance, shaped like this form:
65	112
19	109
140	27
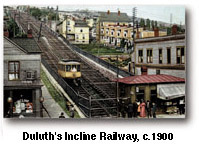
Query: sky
153	12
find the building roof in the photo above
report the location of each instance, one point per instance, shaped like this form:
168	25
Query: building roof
161	38
80	23
151	79
28	44
114	17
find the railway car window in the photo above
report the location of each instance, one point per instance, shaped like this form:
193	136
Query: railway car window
68	67
78	68
74	68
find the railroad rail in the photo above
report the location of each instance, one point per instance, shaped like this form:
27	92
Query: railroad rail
96	96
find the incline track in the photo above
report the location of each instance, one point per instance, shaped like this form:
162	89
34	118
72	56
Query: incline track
99	89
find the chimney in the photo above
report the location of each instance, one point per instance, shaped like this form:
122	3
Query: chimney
6	33
118	12
174	29
156	32
108	12
29	33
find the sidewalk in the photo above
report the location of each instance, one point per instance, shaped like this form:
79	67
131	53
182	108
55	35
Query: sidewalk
51	106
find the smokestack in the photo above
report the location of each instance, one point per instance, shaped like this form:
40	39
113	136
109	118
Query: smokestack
118	12
174	29
156	32
108	12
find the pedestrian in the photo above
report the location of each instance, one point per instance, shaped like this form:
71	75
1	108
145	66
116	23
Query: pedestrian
72	112
142	109
123	110
181	107
154	109
138	107
148	108
130	110
62	115
135	108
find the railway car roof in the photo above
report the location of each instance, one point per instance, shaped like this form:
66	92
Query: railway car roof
65	62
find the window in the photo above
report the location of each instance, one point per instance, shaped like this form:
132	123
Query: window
140	56
78	68
132	34
107	30
77	36
83	37
13	70
125	33
112	32
180	55
68	68
81	30
74	68
102	30
160	56
68	22
149	56
168	55
157	71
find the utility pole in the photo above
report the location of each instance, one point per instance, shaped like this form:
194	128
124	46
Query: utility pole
56	19
134	12
117	89
40	31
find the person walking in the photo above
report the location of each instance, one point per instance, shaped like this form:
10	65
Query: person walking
138	107
62	115
72	112
130	110
148	108
135	108
154	109
142	109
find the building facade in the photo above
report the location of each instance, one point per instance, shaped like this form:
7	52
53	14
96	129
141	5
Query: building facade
161	55
22	82
113	28
76	31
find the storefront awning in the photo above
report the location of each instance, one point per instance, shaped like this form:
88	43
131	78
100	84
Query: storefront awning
170	91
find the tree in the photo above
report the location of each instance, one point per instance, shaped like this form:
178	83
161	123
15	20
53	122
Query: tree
142	22
35	12
12	28
156	24
152	23
148	23
52	16
168	31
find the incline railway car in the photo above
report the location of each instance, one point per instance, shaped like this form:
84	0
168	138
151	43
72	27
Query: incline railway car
70	70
